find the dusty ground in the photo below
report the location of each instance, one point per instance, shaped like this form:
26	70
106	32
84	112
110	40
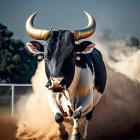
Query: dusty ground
7	128
99	130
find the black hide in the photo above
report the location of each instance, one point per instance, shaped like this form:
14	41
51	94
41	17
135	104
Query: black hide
59	55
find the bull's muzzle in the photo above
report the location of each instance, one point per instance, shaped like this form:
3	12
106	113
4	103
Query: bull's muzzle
56	83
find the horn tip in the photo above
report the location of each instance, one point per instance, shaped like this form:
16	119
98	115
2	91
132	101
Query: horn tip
36	13
86	12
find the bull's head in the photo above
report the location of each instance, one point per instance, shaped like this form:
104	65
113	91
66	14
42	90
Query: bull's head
60	52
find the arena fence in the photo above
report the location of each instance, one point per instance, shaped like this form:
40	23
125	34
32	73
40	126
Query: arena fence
9	94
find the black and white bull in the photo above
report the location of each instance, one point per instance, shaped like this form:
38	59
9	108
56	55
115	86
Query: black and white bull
76	73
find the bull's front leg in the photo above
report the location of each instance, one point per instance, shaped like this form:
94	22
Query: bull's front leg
85	105
75	131
58	115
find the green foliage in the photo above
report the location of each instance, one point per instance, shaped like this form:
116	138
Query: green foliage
17	65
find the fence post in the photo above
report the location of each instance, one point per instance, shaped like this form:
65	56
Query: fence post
13	94
12	101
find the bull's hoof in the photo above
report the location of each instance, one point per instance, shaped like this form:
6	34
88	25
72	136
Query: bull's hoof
76	137
77	114
58	117
65	137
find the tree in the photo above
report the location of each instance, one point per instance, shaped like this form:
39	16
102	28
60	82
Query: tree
134	41
17	65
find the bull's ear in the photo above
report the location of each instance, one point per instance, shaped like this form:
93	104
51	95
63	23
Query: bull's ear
87	49
35	47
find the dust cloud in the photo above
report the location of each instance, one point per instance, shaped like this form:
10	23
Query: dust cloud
115	116
115	48
33	111
36	120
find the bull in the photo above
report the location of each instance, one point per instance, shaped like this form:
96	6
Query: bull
76	73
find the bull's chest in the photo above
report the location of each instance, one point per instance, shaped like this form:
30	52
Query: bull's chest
82	83
64	102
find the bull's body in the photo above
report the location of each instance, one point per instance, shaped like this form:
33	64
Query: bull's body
76	73
86	88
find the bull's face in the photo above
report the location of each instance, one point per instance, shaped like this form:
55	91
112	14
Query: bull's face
59	56
59	52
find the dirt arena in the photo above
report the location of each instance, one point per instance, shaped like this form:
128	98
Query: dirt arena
8	127
105	124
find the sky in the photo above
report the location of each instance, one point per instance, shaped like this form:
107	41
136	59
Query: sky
121	17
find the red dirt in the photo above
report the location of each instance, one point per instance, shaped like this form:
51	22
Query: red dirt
7	128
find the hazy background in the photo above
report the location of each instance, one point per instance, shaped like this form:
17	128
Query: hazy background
119	16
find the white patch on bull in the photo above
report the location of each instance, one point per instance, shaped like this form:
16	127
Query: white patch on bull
52	102
85	131
81	90
59	102
63	100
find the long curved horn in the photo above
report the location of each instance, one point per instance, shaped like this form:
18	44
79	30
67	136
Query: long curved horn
87	31
35	33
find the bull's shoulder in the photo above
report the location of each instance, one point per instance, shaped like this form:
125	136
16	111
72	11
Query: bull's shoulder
96	64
